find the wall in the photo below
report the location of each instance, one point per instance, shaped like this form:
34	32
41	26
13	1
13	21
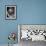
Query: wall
28	12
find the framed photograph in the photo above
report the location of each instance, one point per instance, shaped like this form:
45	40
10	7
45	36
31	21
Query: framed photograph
32	32
10	12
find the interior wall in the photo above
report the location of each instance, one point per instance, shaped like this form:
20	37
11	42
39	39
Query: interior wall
28	12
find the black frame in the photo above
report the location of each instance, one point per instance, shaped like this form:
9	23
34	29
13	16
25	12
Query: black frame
15	10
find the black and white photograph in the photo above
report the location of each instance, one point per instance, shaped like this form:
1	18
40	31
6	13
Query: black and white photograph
31	34
10	12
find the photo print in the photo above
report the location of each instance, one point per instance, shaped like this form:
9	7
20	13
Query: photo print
10	12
